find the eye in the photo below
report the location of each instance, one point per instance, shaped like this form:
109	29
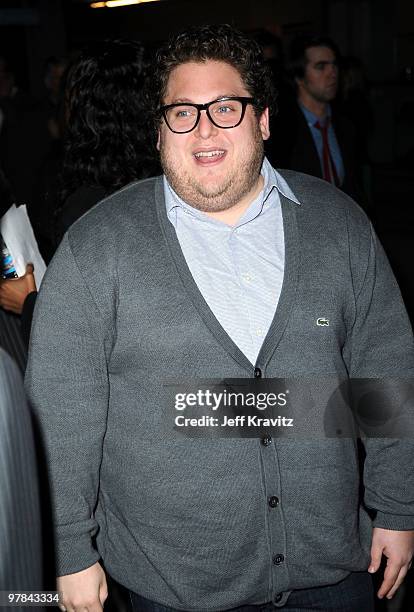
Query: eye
183	113
224	108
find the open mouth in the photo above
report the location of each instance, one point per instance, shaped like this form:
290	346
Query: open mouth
209	157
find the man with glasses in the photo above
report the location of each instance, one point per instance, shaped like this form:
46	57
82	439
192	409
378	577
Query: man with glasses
221	268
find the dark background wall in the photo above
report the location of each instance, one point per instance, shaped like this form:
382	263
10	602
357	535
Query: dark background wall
380	32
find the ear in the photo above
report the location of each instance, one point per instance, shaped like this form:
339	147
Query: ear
298	82
264	124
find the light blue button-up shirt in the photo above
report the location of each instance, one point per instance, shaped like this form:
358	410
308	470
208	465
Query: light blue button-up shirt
238	268
335	151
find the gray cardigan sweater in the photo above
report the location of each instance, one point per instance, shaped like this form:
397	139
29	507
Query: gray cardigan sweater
182	521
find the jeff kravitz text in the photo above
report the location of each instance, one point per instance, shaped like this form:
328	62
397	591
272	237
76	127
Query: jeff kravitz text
238	421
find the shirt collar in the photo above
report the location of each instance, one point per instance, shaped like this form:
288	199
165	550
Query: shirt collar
311	118
272	180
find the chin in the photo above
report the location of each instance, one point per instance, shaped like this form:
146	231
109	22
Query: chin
211	191
211	184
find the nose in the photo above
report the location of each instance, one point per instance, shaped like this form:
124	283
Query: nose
205	127
333	69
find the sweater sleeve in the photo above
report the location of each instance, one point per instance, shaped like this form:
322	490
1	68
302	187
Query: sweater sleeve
382	348
67	384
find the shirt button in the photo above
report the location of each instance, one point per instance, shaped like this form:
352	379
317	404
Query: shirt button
273	501
247	277
259	332
266	440
257	373
278	559
278	597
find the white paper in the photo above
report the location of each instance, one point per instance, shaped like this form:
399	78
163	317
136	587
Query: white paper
17	232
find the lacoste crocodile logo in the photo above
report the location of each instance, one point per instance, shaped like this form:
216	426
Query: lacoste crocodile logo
322	322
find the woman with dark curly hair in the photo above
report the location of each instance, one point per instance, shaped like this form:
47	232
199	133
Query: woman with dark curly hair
105	138
105	145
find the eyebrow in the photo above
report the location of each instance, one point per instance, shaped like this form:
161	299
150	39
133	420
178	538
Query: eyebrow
219	97
325	63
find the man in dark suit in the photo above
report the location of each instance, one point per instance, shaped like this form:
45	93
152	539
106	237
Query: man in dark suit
310	136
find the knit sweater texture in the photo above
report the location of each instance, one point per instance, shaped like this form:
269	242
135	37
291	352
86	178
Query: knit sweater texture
186	521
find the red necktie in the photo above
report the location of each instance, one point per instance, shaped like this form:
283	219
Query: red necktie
329	170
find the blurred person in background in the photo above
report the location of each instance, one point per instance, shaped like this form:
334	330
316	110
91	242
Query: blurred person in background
53	74
105	139
11	339
105	147
20	519
309	136
47	181
24	136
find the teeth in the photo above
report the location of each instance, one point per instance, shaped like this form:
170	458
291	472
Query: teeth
209	153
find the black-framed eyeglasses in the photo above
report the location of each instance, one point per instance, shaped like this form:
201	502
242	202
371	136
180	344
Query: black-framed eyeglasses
224	113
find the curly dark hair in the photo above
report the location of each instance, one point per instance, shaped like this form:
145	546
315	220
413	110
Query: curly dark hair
212	42
105	138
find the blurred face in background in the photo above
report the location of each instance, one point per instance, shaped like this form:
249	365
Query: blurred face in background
320	81
53	79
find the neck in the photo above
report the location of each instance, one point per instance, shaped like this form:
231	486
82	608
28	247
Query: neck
233	214
320	109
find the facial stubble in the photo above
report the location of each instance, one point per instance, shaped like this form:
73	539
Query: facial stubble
216	197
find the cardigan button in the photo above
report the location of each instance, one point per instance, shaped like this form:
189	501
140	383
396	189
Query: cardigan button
278	559
273	501
257	373
266	440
